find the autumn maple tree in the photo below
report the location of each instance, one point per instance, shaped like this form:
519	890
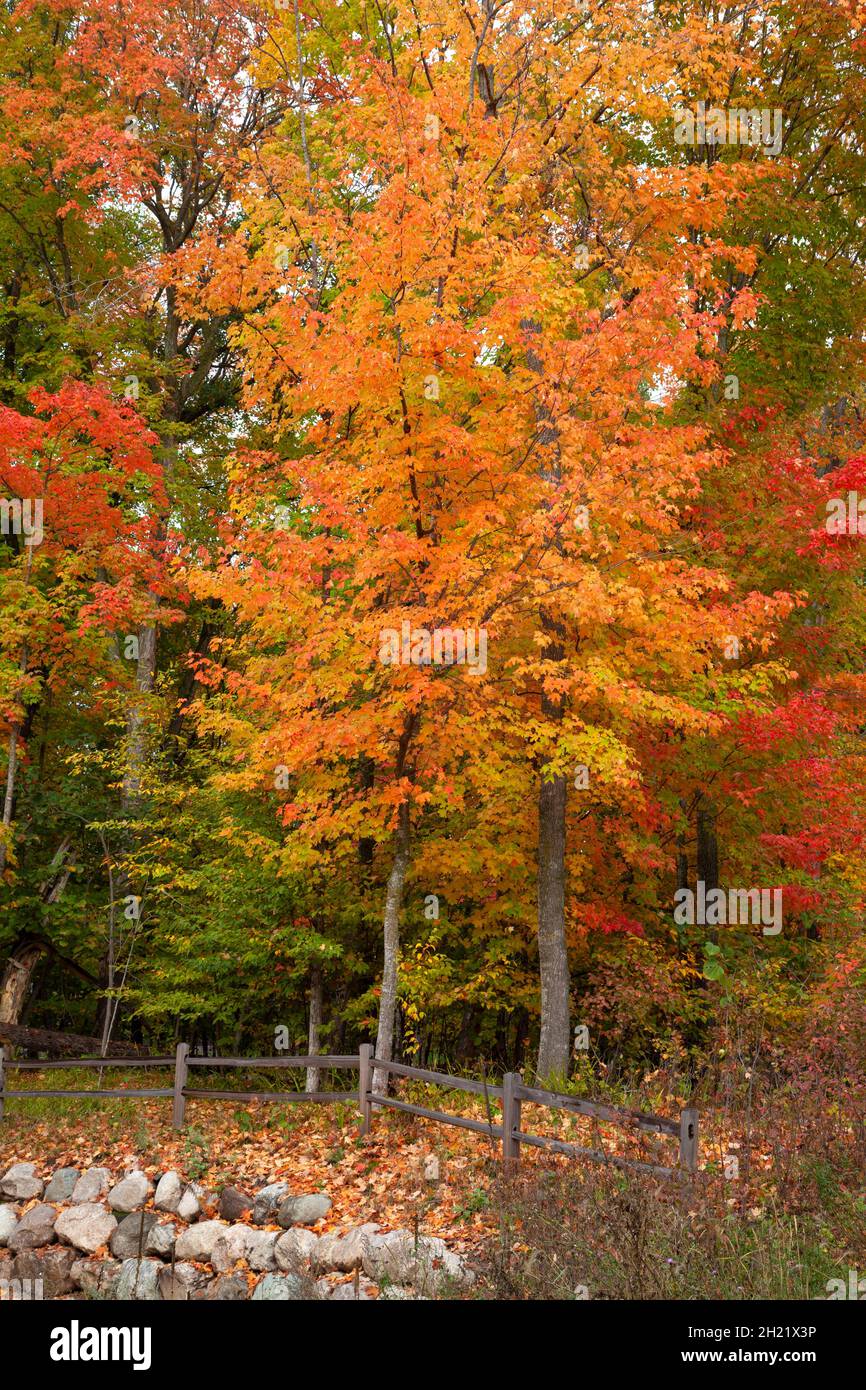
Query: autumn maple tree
323	325
464	329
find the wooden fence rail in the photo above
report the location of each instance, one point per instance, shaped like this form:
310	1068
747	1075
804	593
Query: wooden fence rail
512	1095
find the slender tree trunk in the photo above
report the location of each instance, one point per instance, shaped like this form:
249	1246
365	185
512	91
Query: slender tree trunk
138	753
391	932
708	848
708	852
106	983
9	795
554	1047
682	855
313	1041
520	1035
14	731
464	1047
136	719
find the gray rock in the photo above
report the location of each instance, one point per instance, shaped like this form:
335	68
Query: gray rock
197	1242
169	1191
53	1267
9	1217
130	1193
232	1246
280	1288
235	1204
428	1264
21	1182
189	1206
93	1184
160	1239
130	1239
390	1258
87	1226
139	1279
296	1249
178	1283
35	1228
303	1211
225	1288
268	1200
96	1278
260	1250
342	1253
346	1293
61	1185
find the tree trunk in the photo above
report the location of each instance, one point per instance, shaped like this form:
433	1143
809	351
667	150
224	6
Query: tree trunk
12	758
64	1044
28	951
136	719
465	1045
16	979
138	754
554	1047
682	855
391	933
708	848
9	796
313	1043
520	1035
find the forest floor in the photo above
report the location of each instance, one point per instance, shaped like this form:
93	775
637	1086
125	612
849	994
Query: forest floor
381	1178
314	1147
535	1233
626	1235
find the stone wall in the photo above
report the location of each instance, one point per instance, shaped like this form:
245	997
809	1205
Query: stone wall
92	1234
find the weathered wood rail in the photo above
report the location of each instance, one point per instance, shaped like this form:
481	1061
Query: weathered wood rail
507	1131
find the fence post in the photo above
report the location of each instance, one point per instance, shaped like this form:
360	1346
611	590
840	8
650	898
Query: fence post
510	1118
365	1080
2	1082
689	1139
180	1075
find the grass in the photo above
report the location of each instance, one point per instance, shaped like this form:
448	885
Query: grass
577	1232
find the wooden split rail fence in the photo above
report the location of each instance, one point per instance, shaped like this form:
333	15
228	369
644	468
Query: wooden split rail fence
511	1095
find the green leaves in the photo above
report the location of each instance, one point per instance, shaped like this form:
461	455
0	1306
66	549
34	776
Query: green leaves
713	967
